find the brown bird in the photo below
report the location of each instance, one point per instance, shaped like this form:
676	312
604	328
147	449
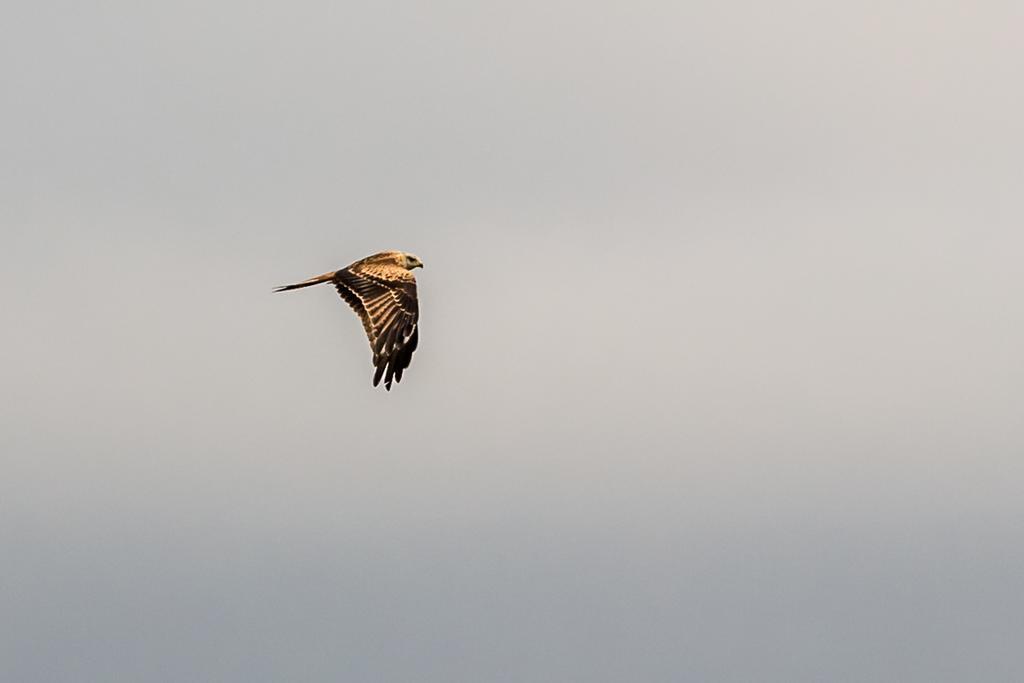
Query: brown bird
381	290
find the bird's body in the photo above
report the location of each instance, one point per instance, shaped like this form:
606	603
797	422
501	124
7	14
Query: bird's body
381	289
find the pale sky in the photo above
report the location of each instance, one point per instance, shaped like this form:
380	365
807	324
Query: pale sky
719	376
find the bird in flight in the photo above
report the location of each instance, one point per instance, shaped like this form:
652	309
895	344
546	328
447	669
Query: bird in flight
381	290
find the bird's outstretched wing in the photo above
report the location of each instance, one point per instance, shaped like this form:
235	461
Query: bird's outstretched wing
384	298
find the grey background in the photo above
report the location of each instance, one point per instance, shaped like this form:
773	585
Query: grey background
720	369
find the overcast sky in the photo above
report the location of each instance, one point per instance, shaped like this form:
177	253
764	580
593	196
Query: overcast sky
719	376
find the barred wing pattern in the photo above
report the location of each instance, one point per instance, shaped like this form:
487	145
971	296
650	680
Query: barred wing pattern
390	313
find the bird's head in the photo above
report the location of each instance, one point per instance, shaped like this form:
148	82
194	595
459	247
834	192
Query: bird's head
412	261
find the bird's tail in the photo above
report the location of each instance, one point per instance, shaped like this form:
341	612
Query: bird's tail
319	279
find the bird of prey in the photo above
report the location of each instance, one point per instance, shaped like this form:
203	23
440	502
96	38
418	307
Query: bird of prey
381	290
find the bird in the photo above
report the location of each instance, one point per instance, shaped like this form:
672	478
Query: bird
381	289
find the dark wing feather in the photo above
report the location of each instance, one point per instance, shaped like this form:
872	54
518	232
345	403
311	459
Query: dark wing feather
389	310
